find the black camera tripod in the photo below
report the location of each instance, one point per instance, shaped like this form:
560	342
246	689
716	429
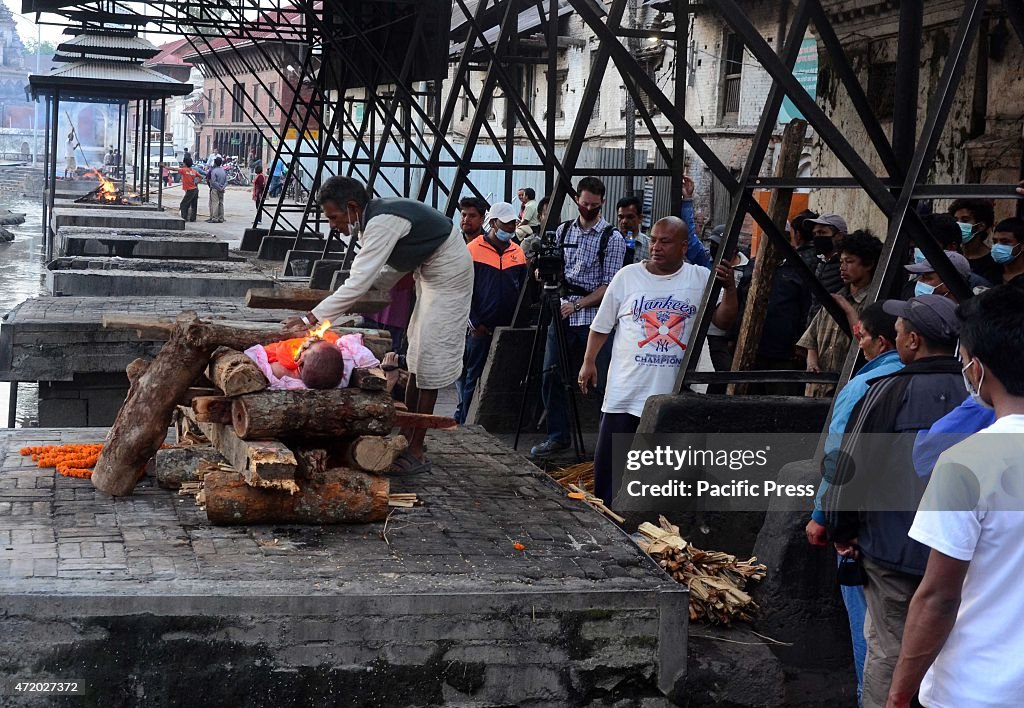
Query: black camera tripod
551	312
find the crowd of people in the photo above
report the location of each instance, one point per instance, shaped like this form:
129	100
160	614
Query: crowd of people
926	535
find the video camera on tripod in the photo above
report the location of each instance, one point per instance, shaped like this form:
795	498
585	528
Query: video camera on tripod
549	259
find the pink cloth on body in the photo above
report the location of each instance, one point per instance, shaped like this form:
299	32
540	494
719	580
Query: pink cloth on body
356	356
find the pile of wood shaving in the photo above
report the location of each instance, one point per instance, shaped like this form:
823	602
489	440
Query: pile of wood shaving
717	581
581	475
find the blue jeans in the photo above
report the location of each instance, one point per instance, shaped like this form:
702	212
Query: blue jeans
856	608
555	401
473	361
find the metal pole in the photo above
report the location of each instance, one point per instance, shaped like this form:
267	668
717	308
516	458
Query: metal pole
35	108
682	8
552	106
163	121
908	80
12	406
630	153
52	185
47	111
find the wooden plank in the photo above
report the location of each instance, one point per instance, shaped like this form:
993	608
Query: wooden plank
405	419
177	465
282	298
368	379
262	463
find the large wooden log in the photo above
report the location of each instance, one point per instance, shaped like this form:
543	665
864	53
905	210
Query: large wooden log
373	453
337	496
142	421
234	373
306	414
307	298
405	419
175	465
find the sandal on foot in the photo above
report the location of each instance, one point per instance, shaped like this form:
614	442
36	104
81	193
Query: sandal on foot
407	464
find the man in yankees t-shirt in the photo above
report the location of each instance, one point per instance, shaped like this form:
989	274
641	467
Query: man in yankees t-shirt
652	306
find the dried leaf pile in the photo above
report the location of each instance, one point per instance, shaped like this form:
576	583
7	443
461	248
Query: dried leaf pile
717	581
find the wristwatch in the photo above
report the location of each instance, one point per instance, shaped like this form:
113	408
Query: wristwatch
576	307
309	319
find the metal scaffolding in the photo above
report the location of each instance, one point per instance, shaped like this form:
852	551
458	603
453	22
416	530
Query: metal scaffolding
375	86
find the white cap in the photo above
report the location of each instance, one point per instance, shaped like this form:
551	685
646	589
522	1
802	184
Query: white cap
503	212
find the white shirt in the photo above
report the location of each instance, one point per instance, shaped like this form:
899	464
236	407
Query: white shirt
980	664
653	316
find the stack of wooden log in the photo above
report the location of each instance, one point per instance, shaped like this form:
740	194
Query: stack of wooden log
263	456
717	581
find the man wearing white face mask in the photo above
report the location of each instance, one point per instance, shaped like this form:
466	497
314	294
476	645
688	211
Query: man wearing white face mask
1007	247
976	217
929	282
400	236
499	269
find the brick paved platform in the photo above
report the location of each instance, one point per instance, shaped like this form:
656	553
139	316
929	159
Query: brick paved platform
142	597
55	338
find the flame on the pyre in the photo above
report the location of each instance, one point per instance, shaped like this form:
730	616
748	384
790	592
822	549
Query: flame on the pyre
107	192
312	337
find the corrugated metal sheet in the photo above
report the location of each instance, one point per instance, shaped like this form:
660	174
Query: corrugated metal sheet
110	41
491	183
112	71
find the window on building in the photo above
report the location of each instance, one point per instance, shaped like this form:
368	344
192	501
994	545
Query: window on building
882	89
561	76
220	112
237	103
597	102
156	119
256	99
432	99
209	107
732	72
272	112
464	113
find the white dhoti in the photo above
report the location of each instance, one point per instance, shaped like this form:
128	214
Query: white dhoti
437	330
444	291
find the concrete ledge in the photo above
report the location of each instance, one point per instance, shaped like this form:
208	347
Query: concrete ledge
114	218
72	204
499	392
692	416
113	277
198	247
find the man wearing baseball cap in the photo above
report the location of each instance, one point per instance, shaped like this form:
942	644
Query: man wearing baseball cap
870	506
499	269
929	282
828	230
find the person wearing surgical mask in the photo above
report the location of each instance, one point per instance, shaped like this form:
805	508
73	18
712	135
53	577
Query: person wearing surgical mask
975	218
928	282
499	270
1007	247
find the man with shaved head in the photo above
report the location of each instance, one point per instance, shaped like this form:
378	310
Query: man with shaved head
652	305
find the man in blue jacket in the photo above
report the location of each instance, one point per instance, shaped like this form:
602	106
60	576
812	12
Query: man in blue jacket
876	337
871	504
499	269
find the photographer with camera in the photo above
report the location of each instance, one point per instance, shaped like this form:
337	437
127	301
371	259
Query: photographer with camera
586	254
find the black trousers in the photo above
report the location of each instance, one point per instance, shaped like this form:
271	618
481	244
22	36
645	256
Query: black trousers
190	204
611	424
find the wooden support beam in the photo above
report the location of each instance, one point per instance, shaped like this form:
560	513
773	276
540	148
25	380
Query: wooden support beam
301	299
767	260
262	463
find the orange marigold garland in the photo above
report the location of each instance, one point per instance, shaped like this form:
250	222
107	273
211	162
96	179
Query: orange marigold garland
72	460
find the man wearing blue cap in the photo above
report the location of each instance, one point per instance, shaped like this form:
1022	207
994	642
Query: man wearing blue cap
871	503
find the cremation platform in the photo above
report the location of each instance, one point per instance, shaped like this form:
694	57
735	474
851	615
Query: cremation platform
142	597
140	243
75	204
101	276
115	218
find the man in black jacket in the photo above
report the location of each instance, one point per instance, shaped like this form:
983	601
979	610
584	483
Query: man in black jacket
871	505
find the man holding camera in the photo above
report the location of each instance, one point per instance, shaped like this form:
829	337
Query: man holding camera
593	253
